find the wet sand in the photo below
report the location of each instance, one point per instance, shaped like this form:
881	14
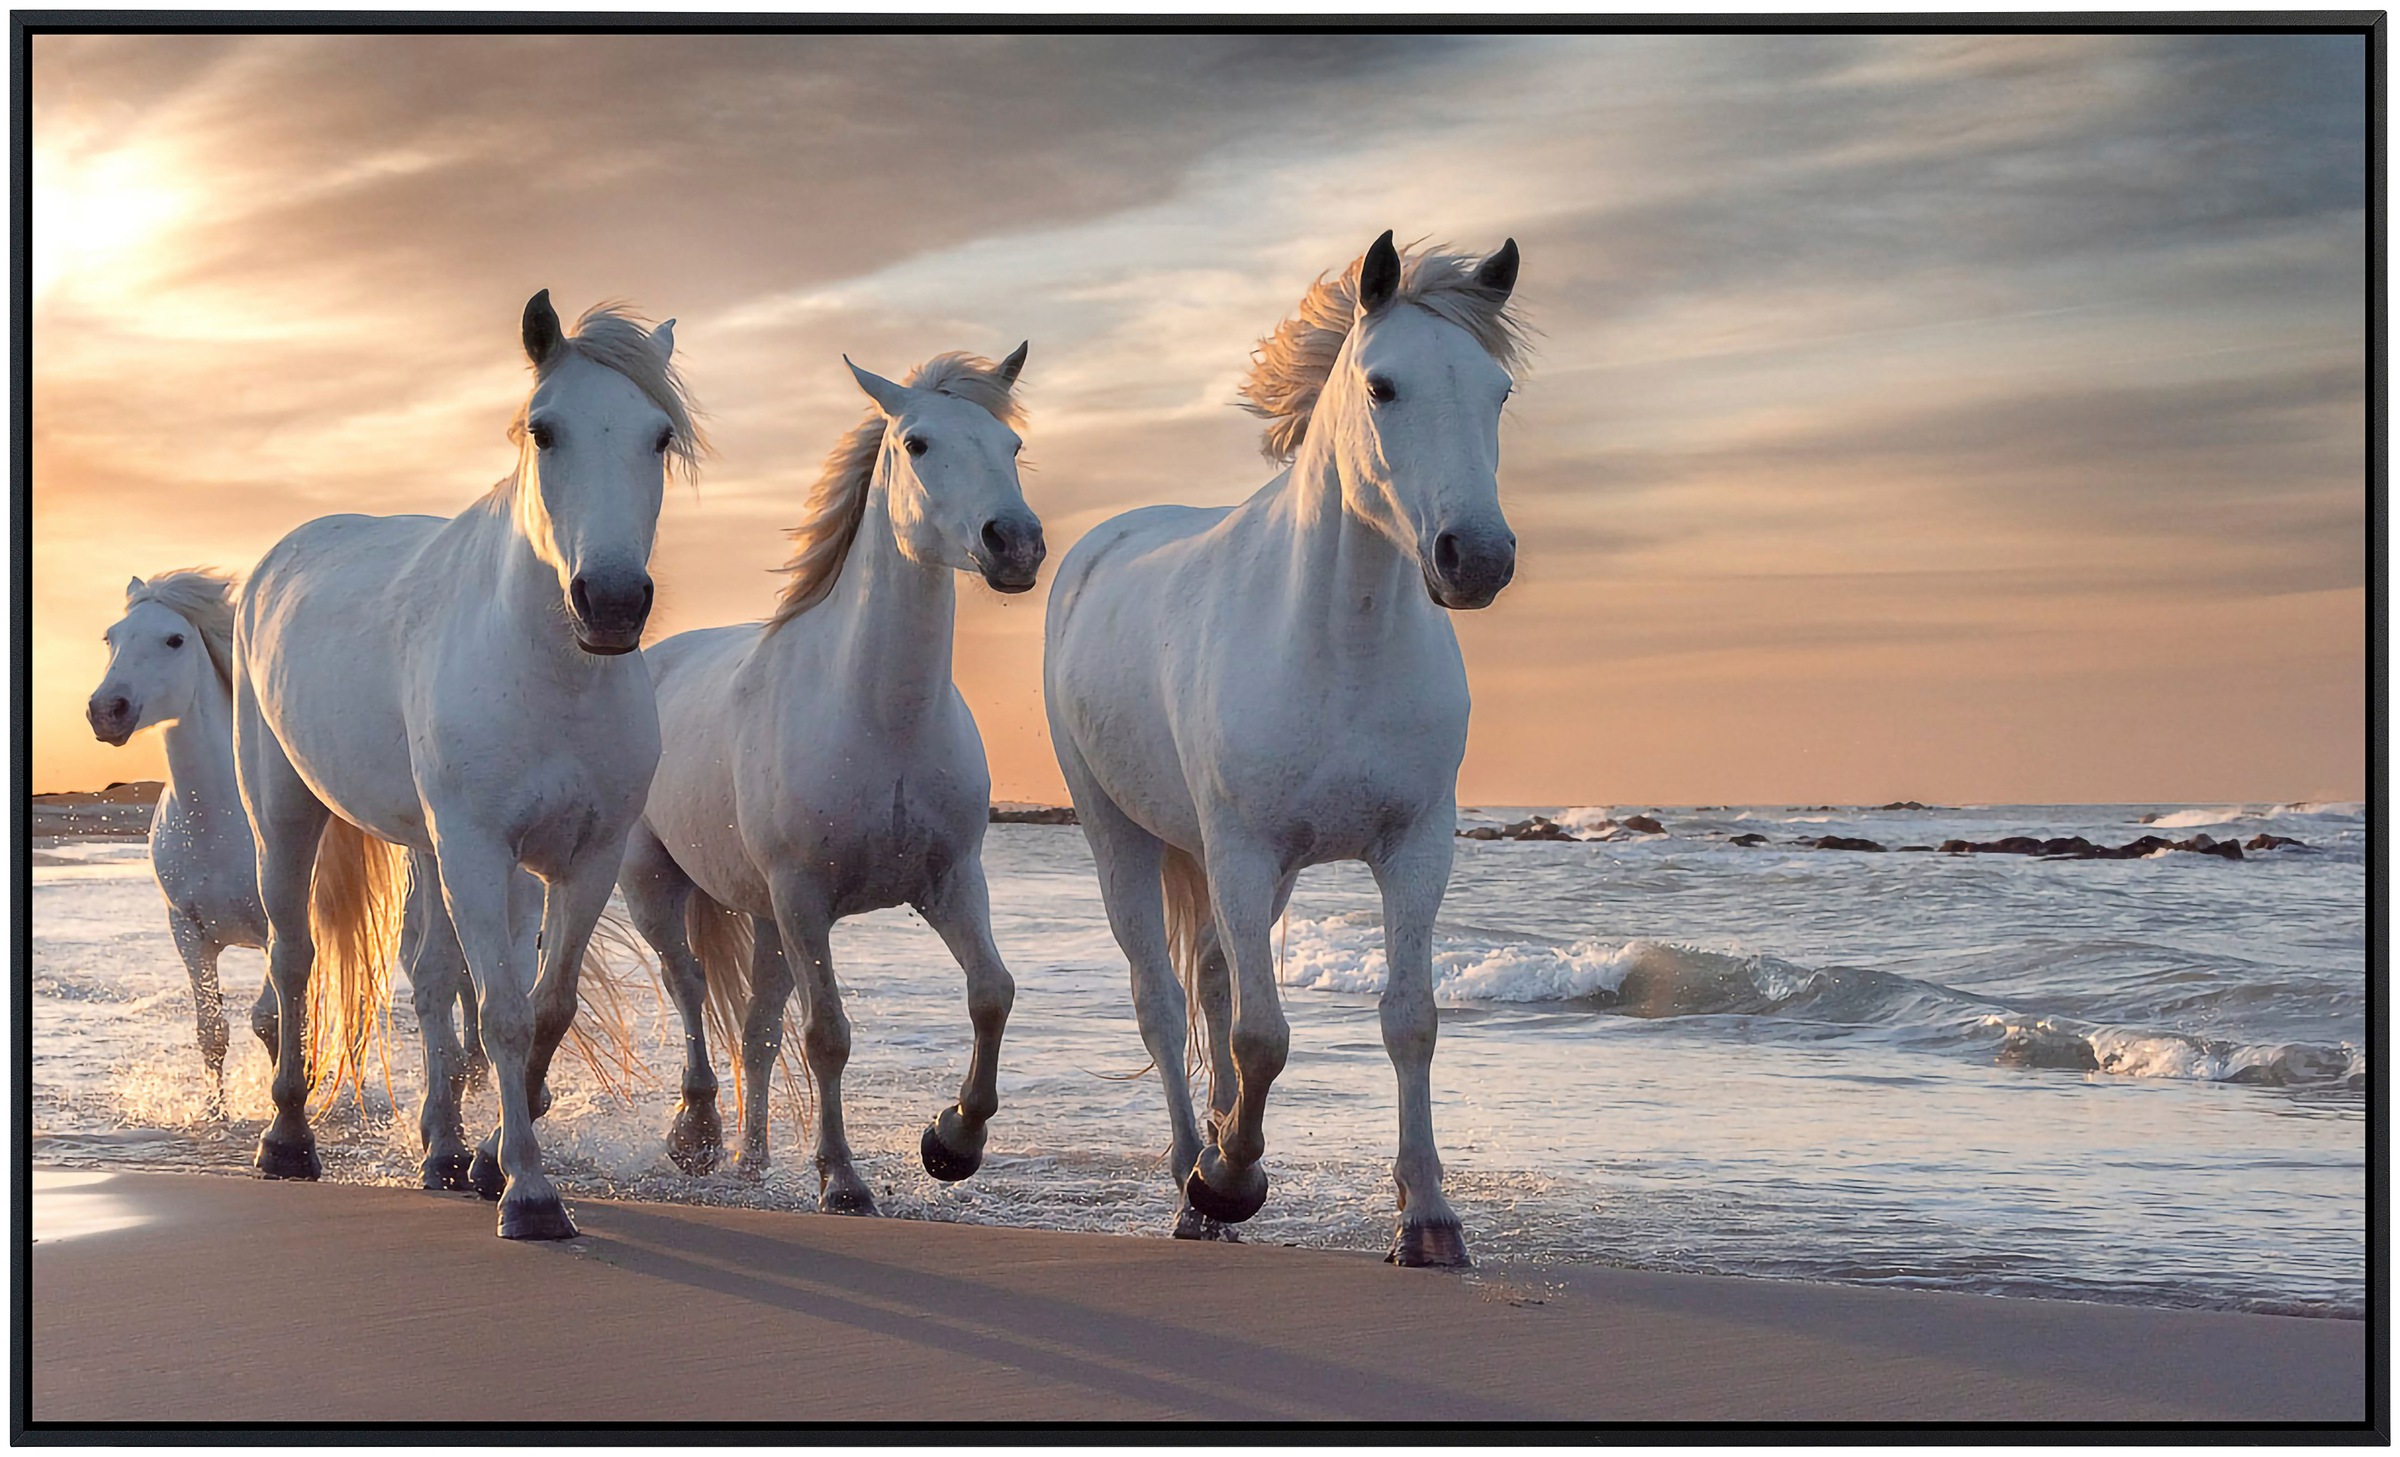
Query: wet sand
183	1298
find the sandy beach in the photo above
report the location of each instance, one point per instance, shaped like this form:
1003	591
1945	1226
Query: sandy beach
161	1298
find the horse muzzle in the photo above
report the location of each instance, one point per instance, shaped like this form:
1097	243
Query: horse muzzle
112	720
1466	570
1010	553
610	610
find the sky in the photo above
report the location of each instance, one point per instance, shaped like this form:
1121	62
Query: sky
1960	418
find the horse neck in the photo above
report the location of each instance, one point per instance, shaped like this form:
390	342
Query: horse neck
892	621
526	590
199	747
1345	572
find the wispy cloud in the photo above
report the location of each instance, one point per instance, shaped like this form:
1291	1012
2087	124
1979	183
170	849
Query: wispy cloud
1967	391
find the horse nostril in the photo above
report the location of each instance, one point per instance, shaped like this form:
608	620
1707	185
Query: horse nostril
581	598
649	595
993	541
1445	554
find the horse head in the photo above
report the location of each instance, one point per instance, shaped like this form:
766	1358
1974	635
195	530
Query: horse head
949	467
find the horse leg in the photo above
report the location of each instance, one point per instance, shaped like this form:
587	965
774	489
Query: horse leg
287	818
960	913
199	951
475	1067
1227	1183
436	982
1127	858
658	894
264	1022
571	908
1413	881
803	928
1214	982
485	893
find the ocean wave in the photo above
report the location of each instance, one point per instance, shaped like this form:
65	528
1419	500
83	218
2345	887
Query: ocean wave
2195	818
2140	1054
1656	980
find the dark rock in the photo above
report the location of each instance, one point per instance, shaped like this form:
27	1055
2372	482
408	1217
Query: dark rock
1903	804
2272	842
1539	827
1480	832
1034	814
1956	847
2039	1046
1646	825
1916	849
1748	840
1843	842
2203	845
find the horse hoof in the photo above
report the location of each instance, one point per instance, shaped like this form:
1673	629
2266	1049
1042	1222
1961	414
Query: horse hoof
485	1176
1190	1223
1233	1195
694	1158
696	1139
446	1171
537	1219
288	1160
944	1162
850	1199
1435	1245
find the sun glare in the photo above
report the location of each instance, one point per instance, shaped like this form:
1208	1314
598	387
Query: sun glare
97	211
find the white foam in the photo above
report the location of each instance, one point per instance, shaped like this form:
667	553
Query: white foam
1344	953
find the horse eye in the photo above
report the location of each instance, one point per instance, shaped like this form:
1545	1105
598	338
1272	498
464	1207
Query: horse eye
543	436
666	438
1017	449
1379	389
915	444
174	639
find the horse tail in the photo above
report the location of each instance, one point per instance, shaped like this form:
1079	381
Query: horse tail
1191	940
722	939
601	987
357	898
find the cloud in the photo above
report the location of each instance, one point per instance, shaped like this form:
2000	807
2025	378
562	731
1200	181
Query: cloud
1863	360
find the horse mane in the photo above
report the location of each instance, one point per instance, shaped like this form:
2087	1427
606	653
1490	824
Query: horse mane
838	501
613	336
203	597
1290	366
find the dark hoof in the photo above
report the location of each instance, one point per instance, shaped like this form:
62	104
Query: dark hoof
1222	1192
1432	1246
1190	1223
944	1162
537	1219
446	1171
485	1176
288	1160
846	1199
696	1139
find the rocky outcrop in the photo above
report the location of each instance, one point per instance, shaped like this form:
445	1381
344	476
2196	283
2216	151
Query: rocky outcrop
1643	824
2076	847
1747	840
1034	814
1842	842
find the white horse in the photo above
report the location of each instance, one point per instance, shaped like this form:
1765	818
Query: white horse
822	765
170	666
470	688
1237	694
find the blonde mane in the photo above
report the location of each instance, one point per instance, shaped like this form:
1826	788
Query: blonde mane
613	336
836	503
203	597
1291	365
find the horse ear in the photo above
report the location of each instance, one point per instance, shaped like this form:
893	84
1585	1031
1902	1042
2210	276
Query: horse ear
662	339
1014	365
132	587
1499	272
890	398
1378	274
542	332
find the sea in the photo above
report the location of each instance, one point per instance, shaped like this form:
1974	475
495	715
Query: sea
2138	1081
